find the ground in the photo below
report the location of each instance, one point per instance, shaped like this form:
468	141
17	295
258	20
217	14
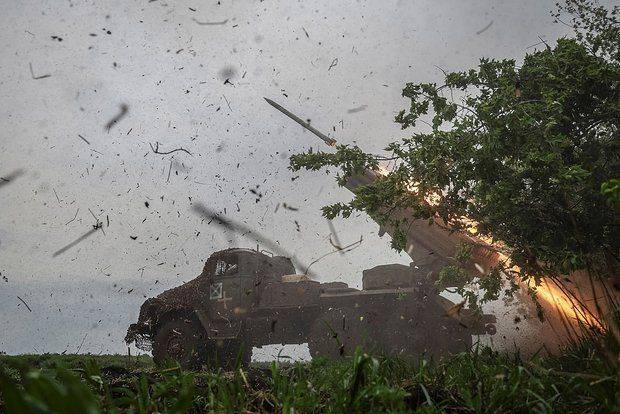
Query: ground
483	381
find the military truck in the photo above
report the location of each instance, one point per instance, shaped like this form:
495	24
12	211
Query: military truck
245	298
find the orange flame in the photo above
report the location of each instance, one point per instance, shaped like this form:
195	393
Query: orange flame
553	296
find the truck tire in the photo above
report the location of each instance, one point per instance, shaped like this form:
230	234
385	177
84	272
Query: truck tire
182	340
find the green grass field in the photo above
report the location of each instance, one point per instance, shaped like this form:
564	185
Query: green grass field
483	381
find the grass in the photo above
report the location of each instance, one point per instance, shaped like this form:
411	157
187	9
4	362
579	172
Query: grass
483	381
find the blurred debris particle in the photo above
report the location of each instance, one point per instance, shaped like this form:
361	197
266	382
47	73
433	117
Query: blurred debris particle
76	213
244	230
8	178
333	64
337	243
286	206
37	77
84	139
227	72
256	193
169	170
209	23
76	241
24	302
157	151
124	108
97	226
485	28
82	343
357	109
227	103
344	249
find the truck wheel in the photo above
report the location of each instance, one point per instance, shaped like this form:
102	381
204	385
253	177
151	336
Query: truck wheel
180	340
229	354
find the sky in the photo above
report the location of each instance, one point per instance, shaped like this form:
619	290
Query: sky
192	75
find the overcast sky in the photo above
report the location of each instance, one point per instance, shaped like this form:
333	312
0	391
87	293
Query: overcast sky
193	75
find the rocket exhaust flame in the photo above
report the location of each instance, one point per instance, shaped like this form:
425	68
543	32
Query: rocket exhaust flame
556	296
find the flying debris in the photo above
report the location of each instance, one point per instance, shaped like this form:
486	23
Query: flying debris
76	241
124	109
97	226
7	179
157	151
244	230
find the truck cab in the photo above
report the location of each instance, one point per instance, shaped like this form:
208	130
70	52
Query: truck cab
236	287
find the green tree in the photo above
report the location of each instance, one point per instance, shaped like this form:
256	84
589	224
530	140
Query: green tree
530	153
